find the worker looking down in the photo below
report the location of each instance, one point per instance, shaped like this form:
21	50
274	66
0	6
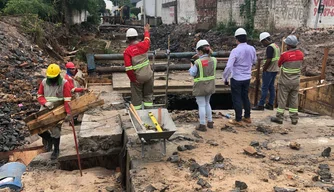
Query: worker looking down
270	70
52	92
71	73
138	69
204	70
288	84
240	64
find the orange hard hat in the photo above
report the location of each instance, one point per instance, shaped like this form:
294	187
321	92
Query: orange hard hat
70	65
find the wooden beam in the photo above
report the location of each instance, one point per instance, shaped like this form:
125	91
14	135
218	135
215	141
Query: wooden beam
257	81
314	87
306	79
324	64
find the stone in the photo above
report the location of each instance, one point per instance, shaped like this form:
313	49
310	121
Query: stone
281	189
203	171
330	189
174	159
235	190
175	153
275	158
228	129
195	134
150	188
323	166
181	148
326	152
264	130
254	144
110	189
219	166
250	150
194	166
212	142
218	158
240	185
315	178
189	147
294	145
203	183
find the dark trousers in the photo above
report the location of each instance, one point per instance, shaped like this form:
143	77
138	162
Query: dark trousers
240	98
268	84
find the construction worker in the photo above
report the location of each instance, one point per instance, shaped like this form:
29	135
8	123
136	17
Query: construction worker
204	70
288	83
72	77
52	92
138	68
240	65
270	70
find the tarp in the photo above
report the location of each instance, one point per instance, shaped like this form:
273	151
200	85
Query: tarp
10	175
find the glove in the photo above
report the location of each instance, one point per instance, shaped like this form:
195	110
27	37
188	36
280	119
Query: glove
49	105
68	118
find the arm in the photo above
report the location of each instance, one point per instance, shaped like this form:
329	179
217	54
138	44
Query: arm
270	55
67	97
229	66
40	94
145	45
281	60
128	67
193	70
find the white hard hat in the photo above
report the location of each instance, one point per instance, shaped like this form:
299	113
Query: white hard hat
131	32
240	31
264	35
291	40
201	43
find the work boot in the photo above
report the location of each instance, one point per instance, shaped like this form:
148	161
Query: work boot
201	127
269	106
258	108
210	124
294	122
247	120
236	123
55	153
46	140
276	120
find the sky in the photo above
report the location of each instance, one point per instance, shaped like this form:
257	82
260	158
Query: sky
109	4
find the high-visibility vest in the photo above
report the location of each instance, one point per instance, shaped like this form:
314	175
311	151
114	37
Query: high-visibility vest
54	93
273	67
201	73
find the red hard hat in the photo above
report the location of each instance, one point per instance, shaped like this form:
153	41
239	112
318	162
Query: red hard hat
70	65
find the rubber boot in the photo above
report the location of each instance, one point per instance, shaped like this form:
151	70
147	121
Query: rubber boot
55	153
47	140
276	120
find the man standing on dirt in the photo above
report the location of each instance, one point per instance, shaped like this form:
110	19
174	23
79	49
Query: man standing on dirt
138	69
52	92
240	66
270	70
288	84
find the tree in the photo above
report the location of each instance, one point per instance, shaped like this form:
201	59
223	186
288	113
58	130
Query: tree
22	7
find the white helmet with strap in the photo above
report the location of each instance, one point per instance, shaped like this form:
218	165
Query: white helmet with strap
201	43
131	32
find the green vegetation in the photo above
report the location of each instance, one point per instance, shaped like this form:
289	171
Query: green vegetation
227	28
248	11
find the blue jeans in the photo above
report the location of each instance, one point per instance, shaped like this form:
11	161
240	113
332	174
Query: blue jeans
239	90
268	83
204	108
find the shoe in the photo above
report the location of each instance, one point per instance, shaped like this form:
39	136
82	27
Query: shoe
201	127
55	153
276	120
294	122
210	124
258	108
247	120
234	122
269	106
46	140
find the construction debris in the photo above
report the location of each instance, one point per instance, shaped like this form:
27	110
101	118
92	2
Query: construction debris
240	185
281	189
294	145
326	152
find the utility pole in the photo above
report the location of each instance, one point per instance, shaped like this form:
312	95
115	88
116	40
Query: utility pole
144	11
155	13
321	8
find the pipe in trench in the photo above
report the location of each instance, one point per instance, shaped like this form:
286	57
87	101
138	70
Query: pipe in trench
157	68
178	55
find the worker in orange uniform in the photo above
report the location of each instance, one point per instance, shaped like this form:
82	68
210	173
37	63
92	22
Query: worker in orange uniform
138	69
54	90
71	72
288	83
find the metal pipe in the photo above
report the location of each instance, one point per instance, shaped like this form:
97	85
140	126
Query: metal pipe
157	68
178	55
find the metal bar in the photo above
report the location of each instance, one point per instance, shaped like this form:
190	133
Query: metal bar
157	68
167	71
324	64
257	81
175	55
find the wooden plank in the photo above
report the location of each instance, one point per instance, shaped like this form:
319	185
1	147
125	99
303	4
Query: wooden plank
324	64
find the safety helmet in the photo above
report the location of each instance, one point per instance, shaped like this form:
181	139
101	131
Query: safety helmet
131	32
240	31
53	70
264	36
201	43
291	40
70	65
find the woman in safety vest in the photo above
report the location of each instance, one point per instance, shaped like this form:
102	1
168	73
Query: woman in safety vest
204	70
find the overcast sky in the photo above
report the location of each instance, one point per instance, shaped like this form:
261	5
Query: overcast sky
109	4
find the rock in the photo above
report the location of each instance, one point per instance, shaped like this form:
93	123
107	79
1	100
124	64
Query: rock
189	147
203	171
323	166
150	188
274	158
219	166
294	145
250	150
212	142
235	190
2	37
240	185
195	134
228	129
330	189
264	130
194	166
175	153
254	144
315	178
174	159
181	148
281	189
326	152
218	158
110	189
203	183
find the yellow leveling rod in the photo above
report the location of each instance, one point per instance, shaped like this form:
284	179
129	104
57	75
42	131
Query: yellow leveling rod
155	122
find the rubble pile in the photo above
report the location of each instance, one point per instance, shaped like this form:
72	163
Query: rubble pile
20	64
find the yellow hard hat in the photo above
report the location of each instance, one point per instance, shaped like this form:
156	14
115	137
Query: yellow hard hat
53	70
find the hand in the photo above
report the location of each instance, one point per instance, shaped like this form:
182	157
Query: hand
147	27
85	90
68	118
195	57
226	83
49	105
